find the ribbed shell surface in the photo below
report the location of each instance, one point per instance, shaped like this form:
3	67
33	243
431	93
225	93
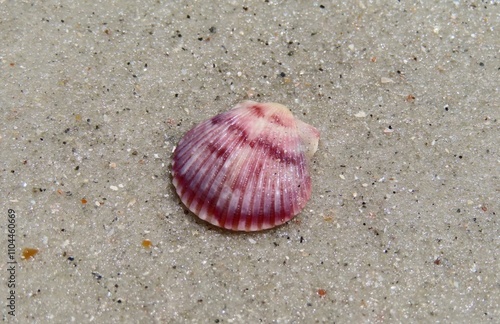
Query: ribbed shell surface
246	169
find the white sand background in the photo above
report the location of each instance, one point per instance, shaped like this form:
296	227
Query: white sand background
403	222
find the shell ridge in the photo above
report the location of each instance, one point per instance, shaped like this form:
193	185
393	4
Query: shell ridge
272	205
210	159
261	158
225	213
255	167
222	206
190	176
292	177
253	189
268	201
301	174
197	136
216	183
193	136
196	142
240	184
278	149
258	202
285	160
187	173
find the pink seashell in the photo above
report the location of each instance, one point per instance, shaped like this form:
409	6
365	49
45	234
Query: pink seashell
246	169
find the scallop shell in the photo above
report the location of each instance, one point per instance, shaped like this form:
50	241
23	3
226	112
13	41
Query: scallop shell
246	169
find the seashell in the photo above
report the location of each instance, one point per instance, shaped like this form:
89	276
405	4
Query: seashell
246	169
